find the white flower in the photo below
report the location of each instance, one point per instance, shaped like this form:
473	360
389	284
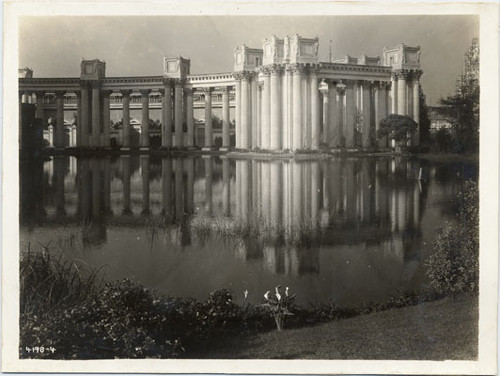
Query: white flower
266	295
245	293
286	291
278	296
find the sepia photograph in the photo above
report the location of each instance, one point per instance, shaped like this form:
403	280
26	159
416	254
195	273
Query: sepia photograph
250	183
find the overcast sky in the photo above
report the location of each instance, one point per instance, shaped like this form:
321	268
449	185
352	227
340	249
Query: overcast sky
134	46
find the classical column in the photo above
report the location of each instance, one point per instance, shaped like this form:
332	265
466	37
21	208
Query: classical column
189	117
145	118
60	130
315	130
335	103
416	105
96	115
402	105
237	100
106	118
178	114
275	124
297	107
366	132
350	109
39	104
326	117
266	111
245	113
380	110
85	118
288	108
254	92
78	118
208	119
394	93
225	118
166	106
126	119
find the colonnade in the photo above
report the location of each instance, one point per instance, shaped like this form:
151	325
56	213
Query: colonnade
93	116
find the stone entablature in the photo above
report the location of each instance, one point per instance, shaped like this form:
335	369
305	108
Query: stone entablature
92	70
301	50
176	67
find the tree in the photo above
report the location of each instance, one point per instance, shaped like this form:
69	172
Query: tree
424	121
400	128
465	103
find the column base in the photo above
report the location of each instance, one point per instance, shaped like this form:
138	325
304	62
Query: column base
125	148
144	148
207	148
225	148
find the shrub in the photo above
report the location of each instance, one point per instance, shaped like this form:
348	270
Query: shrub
454	265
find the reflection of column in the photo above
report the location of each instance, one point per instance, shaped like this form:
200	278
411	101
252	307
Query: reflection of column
246	192
401	210
85	115
179	210
208	185
275	109
276	192
126	183
315	191
126	118
208	118
145	118
96	188
225	118
402	105
178	114
350	191
350	109
60	129
190	186
96	115
166	186
226	198
58	182
266	111
145	183
297	185
106	183
106	118
416	207
366	132
166	104
315	135
297	107
266	191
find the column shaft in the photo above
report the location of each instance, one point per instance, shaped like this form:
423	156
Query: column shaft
145	118
178	115
238	112
416	107
85	116
297	109
225	117
126	119
402	105
208	118
326	117
60	129
350	109
366	135
106	118
96	116
275	110
166	134
394	94
189	117
266	112
381	110
315	130
245	142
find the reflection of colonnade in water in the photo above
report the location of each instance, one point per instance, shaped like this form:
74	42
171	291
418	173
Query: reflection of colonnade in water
300	205
304	194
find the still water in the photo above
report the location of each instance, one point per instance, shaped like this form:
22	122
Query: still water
343	229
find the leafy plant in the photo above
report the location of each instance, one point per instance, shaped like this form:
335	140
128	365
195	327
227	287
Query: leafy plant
279	306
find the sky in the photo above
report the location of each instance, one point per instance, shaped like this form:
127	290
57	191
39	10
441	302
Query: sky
135	46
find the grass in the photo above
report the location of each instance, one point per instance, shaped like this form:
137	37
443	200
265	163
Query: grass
438	330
